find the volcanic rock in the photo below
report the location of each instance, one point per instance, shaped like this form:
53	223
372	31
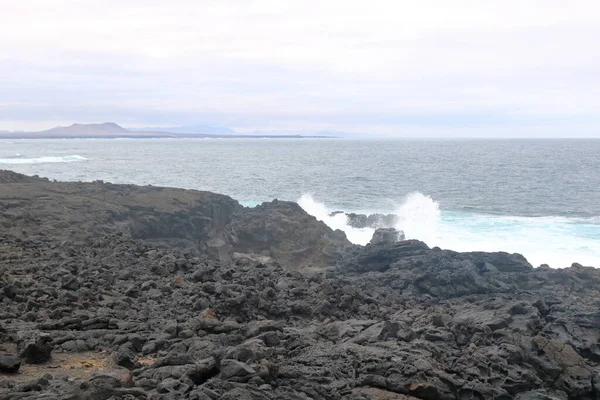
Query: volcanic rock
33	346
371	220
9	363
386	236
108	275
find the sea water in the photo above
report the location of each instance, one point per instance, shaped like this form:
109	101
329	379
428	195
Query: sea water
540	198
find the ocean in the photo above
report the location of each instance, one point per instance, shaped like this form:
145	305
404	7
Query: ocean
540	198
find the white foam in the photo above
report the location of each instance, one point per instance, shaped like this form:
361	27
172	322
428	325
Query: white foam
41	160
418	217
556	241
338	221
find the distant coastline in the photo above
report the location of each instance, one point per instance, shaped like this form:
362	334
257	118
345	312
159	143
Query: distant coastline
111	130
182	136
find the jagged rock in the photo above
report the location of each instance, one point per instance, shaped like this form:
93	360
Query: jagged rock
124	357
235	370
386	236
112	378
382	258
118	274
284	231
34	347
374	221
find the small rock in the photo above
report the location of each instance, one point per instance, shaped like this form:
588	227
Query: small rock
112	378
34	346
236	371
124	358
9	363
171	385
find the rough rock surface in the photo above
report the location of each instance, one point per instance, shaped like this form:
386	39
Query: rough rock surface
207	223
371	220
9	363
387	236
284	231
122	287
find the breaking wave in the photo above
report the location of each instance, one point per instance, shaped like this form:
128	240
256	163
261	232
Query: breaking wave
556	241
337	221
19	159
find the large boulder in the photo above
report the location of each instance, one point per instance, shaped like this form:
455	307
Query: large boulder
387	236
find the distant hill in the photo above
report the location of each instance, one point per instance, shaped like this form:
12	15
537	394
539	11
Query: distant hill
107	128
110	130
104	130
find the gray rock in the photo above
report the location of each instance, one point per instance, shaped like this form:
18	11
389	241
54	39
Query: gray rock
236	371
9	363
386	236
33	346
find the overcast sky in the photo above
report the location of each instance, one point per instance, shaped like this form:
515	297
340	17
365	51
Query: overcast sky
403	68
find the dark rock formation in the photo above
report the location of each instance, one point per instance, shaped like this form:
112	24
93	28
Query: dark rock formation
133	304
284	231
9	363
33	346
203	222
387	236
372	220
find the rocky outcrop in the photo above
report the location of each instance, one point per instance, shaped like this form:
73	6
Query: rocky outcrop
138	316
386	236
284	231
372	220
201	222
441	273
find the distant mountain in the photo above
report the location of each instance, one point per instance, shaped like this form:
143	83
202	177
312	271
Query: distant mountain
208	129
107	128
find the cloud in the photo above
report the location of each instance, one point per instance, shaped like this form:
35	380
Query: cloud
372	66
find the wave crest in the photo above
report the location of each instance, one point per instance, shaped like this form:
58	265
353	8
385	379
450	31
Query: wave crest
418	217
335	221
41	160
557	241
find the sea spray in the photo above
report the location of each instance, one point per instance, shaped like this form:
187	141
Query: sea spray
335	221
418	216
41	160
565	240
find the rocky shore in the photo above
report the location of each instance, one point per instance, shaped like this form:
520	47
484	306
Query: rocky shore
128	292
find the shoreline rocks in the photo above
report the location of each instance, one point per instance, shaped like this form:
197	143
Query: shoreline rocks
117	285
